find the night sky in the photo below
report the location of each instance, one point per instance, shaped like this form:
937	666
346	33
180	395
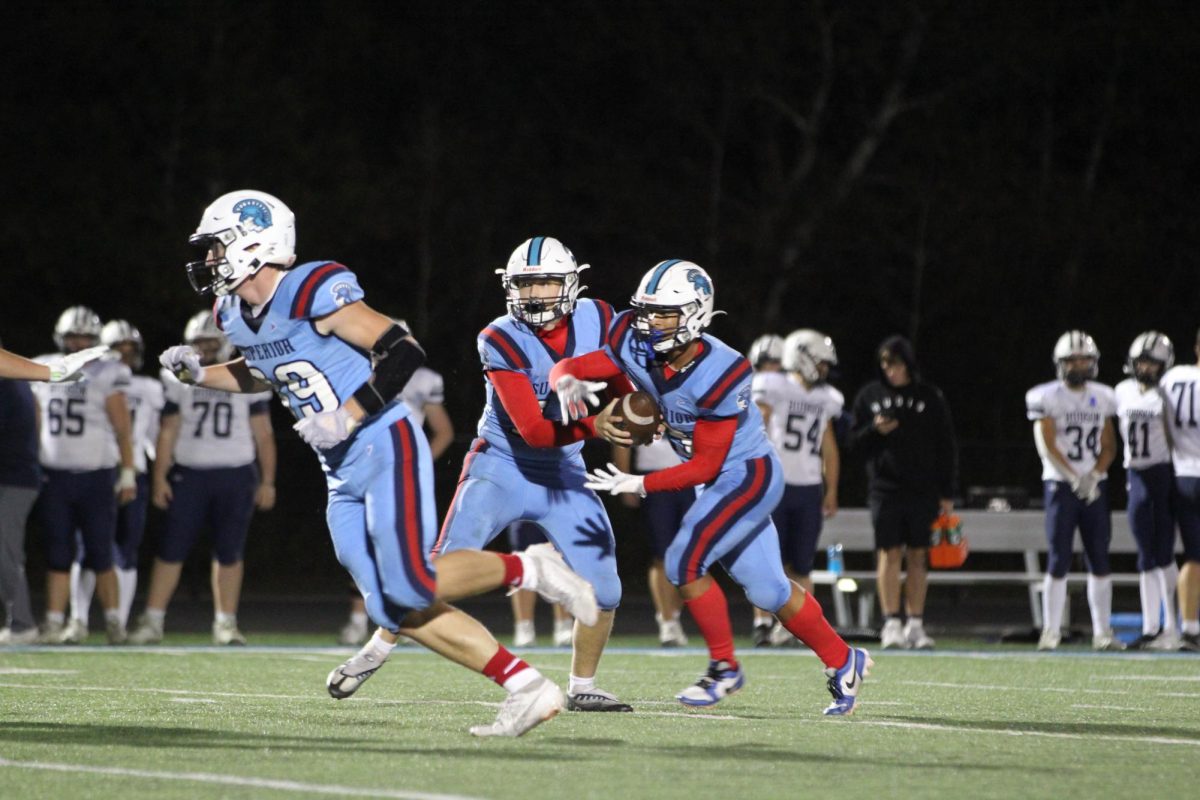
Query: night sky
978	176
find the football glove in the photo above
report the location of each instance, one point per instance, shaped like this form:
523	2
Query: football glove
616	482
326	429
67	367
126	479
572	393
1087	487
183	361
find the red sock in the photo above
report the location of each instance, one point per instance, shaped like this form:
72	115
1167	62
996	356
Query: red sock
514	570
711	613
509	671
810	626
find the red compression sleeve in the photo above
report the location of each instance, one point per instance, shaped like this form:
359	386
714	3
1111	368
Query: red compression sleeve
710	444
515	393
593	366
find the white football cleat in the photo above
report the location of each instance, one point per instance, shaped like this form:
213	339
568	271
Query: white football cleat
28	636
353	634
227	633
1107	642
554	581
845	683
51	633
114	631
721	680
564	632
524	634
75	632
670	634
892	635
915	636
146	632
524	710
1049	640
1168	641
345	680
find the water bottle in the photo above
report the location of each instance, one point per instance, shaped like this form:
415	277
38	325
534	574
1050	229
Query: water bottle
834	554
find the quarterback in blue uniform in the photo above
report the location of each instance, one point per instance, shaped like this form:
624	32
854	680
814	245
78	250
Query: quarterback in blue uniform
703	389
305	332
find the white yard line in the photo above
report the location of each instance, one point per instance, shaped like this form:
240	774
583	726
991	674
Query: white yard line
22	671
1107	708
232	780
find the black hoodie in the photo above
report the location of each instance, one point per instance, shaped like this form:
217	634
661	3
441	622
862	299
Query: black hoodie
918	456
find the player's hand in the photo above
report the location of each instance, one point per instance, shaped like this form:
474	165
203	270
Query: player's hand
326	429
161	494
126	486
264	497
183	361
607	426
1087	487
885	425
829	506
572	394
67	367
616	482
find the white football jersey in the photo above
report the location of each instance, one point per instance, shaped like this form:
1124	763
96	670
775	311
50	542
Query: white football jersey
655	456
1183	418
214	426
425	386
76	433
145	399
799	417
1078	422
1141	418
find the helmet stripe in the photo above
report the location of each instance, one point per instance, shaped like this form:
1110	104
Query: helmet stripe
659	271
535	251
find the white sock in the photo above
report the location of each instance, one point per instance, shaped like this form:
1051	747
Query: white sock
58	618
126	586
1191	627
578	684
83	587
529	574
1150	588
1099	594
564	625
156	616
520	679
358	619
524	627
381	645
1170	580
1054	600
222	618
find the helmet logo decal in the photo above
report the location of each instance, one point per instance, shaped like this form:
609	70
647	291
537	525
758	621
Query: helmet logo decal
253	214
699	282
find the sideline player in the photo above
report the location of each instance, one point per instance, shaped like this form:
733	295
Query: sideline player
205	476
1072	427
87	456
1142	420
703	387
1182	384
524	465
798	406
305	331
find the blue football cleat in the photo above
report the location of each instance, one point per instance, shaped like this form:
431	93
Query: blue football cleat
845	683
720	681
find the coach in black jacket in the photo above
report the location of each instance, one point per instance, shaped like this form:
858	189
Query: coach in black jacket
902	429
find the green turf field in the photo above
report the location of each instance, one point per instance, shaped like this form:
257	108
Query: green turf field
197	722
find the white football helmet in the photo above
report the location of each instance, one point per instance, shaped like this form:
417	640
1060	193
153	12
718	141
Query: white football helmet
767	347
76	321
540	258
804	349
1076	344
673	287
256	229
1151	346
202	326
116	331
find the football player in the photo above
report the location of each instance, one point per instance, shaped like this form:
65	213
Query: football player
1073	430
206	476
703	388
1181	385
766	353
144	397
339	365
87	453
1142	420
523	465
797	406
521	536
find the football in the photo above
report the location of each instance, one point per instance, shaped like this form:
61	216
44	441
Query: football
639	416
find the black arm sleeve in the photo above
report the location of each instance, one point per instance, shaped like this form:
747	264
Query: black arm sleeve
394	359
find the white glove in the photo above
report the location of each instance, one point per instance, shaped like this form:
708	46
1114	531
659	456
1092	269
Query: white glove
616	482
67	367
1087	487
126	479
571	395
183	361
326	429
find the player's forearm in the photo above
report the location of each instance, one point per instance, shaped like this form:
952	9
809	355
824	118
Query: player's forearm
232	376
711	441
21	368
164	448
264	446
594	366
516	396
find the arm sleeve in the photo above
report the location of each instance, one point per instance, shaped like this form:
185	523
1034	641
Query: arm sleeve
593	366
711	440
863	436
515	393
947	452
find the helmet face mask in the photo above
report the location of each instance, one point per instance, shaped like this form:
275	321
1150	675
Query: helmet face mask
202	333
805	351
239	234
77	328
541	261
1150	356
673	288
1076	358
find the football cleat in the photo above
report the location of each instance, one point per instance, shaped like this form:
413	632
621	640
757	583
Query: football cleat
1049	640
524	635
845	683
50	633
1143	642
782	637
75	632
114	631
1190	642
564	633
227	633
721	680
1107	642
596	700
892	635
354	635
670	634
146	632
10	637
524	710
762	634
345	680
915	636
556	583
1168	641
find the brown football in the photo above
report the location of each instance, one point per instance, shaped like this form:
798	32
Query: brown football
640	416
